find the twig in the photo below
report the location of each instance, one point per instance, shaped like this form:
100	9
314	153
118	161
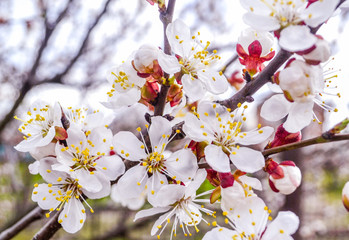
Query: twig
50	228
166	18
253	86
36	214
305	143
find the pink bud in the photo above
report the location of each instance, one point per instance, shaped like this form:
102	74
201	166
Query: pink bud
274	169
283	137
291	180
345	196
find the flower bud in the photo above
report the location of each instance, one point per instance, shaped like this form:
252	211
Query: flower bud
174	95
146	62
290	180
345	196
283	137
144	58
149	92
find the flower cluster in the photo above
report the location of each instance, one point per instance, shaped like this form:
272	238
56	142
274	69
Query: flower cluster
74	155
191	139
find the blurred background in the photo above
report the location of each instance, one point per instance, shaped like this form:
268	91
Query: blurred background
60	51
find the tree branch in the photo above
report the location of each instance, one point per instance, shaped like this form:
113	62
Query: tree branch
253	86
50	228
36	214
166	18
305	143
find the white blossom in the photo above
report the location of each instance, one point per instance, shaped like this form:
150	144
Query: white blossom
86	158
180	202
302	84
125	86
222	129
287	17
153	165
249	221
40	126
195	62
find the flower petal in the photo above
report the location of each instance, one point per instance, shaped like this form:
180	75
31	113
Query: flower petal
193	87
193	186
299	117
221	233
217	159
150	212
231	197
178	34
73	216
132	203
260	22
215	82
319	12
182	164
255	137
159	132
285	222
168	63
194	131
251	181
103	192
110	166
44	198
88	181
275	108
119	100
159	222
168	194
127	186
296	38
129	146
247	159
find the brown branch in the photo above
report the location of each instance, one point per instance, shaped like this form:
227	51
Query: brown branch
36	214
166	18
50	228
245	94
305	143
